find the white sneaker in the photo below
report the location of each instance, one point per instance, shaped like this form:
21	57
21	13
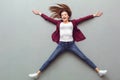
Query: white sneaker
102	72
34	76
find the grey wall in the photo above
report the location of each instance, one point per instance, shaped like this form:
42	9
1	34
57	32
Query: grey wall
25	41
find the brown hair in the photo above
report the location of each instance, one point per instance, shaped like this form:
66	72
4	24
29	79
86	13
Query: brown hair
58	9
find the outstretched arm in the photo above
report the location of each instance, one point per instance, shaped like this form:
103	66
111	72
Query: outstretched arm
97	14
37	12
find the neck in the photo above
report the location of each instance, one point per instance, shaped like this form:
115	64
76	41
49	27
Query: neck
65	21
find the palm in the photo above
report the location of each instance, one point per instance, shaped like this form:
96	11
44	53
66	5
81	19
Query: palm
98	14
35	12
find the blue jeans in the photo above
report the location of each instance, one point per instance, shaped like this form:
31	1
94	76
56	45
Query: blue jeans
67	46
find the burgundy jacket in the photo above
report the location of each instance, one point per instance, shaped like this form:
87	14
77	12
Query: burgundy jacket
77	34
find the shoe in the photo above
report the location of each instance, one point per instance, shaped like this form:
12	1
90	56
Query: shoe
102	72
34	76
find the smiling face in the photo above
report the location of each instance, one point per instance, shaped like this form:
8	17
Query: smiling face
64	16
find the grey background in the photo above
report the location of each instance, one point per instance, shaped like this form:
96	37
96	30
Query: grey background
25	40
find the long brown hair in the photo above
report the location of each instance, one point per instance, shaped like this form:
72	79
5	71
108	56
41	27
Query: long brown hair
58	9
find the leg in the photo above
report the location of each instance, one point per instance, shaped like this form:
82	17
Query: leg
77	51
57	51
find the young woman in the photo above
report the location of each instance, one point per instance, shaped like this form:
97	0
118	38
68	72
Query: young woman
65	35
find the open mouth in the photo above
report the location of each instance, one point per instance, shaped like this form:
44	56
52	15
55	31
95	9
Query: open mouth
64	18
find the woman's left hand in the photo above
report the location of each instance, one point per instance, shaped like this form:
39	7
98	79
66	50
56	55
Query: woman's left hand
98	14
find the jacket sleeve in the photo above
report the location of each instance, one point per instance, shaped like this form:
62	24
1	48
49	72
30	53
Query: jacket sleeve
49	19
83	19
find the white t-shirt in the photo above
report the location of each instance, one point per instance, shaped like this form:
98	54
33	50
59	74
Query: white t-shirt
66	32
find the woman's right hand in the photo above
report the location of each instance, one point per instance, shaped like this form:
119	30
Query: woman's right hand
36	12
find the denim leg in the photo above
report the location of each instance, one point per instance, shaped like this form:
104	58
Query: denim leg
79	53
57	51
